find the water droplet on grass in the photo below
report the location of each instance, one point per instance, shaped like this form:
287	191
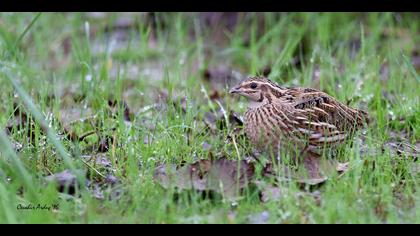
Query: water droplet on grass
88	78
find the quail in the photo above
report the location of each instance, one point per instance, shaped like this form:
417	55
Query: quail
296	119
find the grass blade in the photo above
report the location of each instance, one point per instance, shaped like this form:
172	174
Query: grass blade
26	30
17	165
39	118
411	67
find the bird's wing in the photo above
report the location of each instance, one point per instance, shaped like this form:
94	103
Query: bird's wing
325	108
310	124
321	118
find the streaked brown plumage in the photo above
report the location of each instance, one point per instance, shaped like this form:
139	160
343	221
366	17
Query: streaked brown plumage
295	118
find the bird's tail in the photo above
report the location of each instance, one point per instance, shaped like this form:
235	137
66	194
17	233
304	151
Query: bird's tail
362	118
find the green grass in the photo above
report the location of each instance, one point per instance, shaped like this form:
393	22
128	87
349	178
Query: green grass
37	67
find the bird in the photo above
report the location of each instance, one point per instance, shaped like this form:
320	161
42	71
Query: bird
296	119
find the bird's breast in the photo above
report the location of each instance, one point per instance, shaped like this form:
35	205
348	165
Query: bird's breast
261	126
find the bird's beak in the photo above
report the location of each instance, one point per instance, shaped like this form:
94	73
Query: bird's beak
234	90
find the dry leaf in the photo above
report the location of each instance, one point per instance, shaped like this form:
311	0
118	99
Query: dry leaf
65	180
221	176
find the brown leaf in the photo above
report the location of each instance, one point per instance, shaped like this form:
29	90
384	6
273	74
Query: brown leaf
66	44
215	95
224	174
219	22
220	176
114	105
415	169
21	121
313	171
210	120
416	61
342	167
217	19
401	149
265	71
271	192
260	218
320	170
99	160
104	143
235	119
384	72
317	169
148	139
177	100
111	187
71	115
221	77
314	175
354	46
399	145
268	191
111	179
16	146
183	178
316	76
65	180
206	146
218	122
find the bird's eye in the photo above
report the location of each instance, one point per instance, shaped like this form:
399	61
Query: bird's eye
253	85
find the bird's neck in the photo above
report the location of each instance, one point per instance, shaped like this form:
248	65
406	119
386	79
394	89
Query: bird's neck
255	104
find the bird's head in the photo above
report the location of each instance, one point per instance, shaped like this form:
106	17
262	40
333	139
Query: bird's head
258	89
